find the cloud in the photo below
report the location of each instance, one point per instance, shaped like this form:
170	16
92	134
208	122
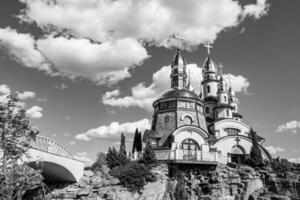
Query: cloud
44	99
61	86
274	150
88	39
66	134
142	96
34	112
289	126
237	82
4	89
114	130
294	160
21	48
72	143
26	95
82	156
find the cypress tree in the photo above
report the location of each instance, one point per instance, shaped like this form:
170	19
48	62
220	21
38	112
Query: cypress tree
135	141
255	153
139	142
122	145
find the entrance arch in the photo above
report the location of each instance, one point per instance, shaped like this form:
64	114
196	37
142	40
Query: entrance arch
238	154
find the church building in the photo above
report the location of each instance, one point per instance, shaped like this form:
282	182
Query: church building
199	128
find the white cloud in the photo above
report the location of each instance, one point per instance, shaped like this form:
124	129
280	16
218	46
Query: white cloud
274	150
26	95
114	130
294	160
4	89
62	86
72	143
82	156
21	47
44	99
34	112
289	126
143	96
152	21
105	45
105	63
237	82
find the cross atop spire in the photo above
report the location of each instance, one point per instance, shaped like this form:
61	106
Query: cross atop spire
208	47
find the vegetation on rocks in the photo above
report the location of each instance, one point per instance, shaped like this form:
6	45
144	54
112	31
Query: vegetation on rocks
148	156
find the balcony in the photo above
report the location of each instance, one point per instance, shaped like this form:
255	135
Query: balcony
190	156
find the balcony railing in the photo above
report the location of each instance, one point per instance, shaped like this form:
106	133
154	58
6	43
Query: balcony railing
188	156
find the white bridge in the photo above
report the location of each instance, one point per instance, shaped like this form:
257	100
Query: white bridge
55	162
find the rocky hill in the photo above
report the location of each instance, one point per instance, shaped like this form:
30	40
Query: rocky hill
222	183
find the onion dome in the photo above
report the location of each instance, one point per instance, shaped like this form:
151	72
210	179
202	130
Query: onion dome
179	93
178	73
222	85
209	66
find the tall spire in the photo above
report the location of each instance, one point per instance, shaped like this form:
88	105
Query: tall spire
178	74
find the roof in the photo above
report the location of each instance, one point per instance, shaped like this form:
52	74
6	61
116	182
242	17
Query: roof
179	93
209	65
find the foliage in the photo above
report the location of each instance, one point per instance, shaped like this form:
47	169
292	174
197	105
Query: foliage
100	161
137	141
256	159
133	176
281	165
180	192
148	157
115	159
122	145
16	136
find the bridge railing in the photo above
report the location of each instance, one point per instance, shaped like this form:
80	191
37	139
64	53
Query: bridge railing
50	146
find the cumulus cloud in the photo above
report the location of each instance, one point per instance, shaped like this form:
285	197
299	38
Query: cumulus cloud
142	96
103	63
4	89
237	82
294	160
82	156
34	112
289	126
114	130
94	42
274	150
21	47
26	95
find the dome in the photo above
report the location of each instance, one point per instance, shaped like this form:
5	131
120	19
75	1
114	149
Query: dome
209	65
179	93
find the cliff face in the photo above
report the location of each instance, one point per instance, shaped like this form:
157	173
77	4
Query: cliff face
222	183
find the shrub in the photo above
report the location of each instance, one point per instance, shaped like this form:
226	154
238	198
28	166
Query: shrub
101	160
115	159
148	157
132	176
281	165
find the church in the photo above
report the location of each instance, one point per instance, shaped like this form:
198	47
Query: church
199	128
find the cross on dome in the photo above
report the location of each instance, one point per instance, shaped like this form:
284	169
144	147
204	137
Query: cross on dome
208	47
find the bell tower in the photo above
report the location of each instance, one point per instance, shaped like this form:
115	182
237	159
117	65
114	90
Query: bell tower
178	73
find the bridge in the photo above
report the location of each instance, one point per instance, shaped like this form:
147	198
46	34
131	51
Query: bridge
54	160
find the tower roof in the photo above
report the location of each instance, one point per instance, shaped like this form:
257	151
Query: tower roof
178	60
209	65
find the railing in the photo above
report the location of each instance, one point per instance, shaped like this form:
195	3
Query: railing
50	146
186	156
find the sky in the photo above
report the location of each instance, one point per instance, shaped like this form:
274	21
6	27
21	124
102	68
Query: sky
88	70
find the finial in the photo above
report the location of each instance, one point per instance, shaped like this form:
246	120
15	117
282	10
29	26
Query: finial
220	68
208	47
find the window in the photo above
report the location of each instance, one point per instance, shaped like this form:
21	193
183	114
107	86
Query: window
234	108
208	89
225	99
206	109
232	131
163	105
189	144
172	104
227	113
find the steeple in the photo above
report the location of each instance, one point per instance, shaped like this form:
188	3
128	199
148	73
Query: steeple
178	74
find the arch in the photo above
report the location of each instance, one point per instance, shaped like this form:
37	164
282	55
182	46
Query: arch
189	144
53	172
237	149
198	130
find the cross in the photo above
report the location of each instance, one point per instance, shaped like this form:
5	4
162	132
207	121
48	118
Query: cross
208	46
237	140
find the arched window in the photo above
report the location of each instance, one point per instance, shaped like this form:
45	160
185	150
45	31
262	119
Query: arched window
208	89
232	131
227	113
189	144
206	109
225	99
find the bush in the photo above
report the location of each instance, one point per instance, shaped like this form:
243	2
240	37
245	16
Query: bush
115	159
281	165
133	176
101	160
148	157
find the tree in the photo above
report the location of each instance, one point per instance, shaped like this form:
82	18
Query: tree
115	158
137	141
148	157
16	136
122	145
101	160
255	153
